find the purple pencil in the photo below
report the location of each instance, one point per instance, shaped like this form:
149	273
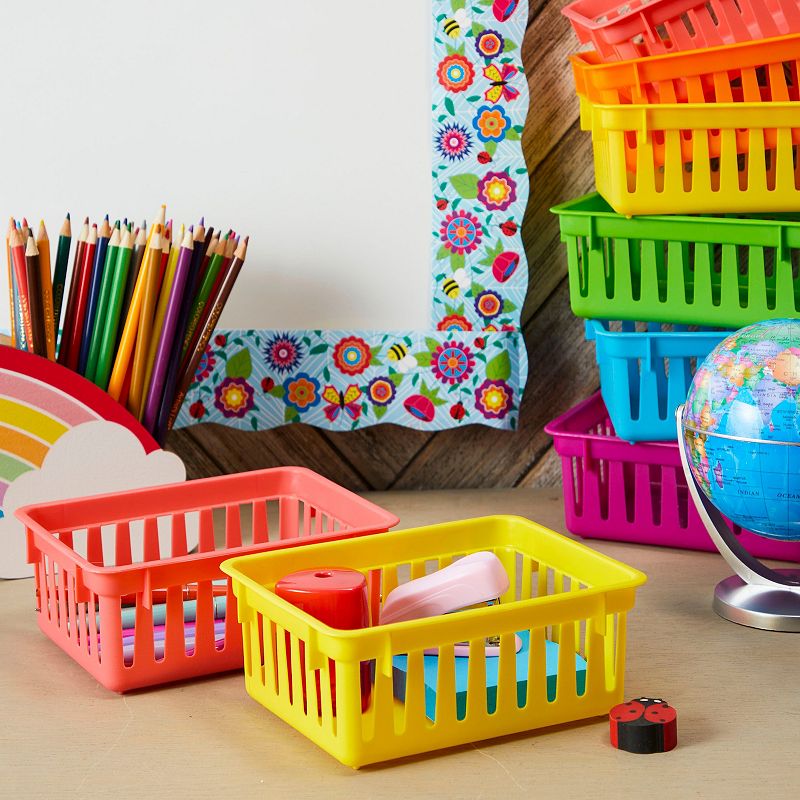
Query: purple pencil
161	363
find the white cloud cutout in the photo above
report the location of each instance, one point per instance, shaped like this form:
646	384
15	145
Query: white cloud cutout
92	458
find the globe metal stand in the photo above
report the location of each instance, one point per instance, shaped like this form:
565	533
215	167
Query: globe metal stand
756	595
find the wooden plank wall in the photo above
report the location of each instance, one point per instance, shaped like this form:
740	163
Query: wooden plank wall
562	368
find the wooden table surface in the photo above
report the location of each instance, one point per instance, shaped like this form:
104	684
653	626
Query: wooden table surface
63	735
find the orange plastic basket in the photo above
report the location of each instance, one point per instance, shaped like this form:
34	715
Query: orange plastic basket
649	27
754	72
102	560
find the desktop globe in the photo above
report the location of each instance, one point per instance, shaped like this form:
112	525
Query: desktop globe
741	428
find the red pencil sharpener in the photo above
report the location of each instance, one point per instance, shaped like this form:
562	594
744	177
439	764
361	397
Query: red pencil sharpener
337	597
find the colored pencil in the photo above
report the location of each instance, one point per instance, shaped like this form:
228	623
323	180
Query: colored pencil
165	287
139	241
45	280
60	274
219	303
35	300
145	327
96	279
161	359
17	247
96	332
203	295
81	300
13	302
69	313
129	338
113	313
166	248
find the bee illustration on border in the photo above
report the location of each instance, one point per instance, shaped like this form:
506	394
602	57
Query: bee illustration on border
453	287
403	360
454	26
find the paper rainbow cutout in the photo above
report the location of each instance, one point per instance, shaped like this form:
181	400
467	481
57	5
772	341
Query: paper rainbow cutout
39	402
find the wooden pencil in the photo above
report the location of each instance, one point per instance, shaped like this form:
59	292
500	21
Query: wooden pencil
17	247
202	298
96	279
96	332
69	312
114	311
13	303
208	329
35	300
60	274
177	288
45	280
137	256
146	309
81	300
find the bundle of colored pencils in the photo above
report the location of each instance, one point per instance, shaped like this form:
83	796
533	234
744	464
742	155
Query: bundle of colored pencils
140	310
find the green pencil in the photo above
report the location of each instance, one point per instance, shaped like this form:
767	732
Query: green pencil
60	274
102	303
204	293
107	350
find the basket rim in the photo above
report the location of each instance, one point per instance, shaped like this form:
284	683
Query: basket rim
571	12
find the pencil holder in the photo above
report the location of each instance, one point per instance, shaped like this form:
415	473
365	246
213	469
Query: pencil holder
649	27
633	492
164	614
724	272
568	603
645	373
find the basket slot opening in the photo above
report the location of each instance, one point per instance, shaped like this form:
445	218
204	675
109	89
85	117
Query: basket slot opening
655	493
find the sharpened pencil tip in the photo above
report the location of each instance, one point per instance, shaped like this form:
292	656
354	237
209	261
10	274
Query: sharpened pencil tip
202	222
67	214
86	220
106	218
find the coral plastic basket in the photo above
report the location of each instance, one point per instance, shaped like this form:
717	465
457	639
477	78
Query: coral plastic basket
688	158
724	272
648	27
102	560
645	374
633	492
560	592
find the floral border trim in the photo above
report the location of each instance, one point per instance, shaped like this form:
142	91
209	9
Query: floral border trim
473	367
343	380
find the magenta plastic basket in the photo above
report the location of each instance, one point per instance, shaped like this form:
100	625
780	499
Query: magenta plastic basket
622	30
633	492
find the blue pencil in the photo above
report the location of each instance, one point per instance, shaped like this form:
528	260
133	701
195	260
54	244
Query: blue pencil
104	234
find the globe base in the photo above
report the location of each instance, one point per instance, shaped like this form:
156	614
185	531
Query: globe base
770	608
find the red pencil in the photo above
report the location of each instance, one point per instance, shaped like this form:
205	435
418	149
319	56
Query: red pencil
17	246
69	310
81	300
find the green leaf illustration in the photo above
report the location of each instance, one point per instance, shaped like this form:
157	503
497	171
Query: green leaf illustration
457	4
326	373
431	343
277	390
473	98
508	307
239	365
320	348
441	253
509	46
512	135
491	147
466	185
477	28
423	359
448	104
290	414
254	423
476	289
499	368
456	261
380	411
396	378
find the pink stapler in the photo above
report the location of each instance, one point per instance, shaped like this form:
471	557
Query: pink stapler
478	578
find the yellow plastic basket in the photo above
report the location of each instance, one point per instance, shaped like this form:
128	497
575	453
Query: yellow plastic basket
561	591
642	166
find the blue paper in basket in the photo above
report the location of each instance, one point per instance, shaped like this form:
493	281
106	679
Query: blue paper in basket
400	668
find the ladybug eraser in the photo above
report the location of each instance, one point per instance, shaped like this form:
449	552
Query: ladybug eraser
644	725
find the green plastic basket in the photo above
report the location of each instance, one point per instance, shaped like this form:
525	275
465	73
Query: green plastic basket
725	271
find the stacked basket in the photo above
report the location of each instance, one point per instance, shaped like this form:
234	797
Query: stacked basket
693	114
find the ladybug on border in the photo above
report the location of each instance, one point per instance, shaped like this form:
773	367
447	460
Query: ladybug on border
644	725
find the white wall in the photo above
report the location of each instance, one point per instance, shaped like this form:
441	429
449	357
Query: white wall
305	124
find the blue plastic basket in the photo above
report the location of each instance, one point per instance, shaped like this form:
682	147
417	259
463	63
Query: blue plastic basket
645	373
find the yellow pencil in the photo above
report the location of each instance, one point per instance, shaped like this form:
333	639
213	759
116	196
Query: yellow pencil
147	306
43	244
161	310
131	326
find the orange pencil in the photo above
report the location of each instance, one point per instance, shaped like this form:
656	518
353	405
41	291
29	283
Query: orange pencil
43	246
17	247
147	306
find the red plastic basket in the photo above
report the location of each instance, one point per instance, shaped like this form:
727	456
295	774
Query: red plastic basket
639	28
99	558
633	492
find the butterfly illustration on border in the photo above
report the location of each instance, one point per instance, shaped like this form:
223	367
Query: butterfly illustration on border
338	401
500	87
